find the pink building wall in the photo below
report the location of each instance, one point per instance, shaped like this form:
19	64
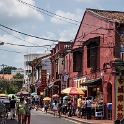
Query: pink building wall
93	26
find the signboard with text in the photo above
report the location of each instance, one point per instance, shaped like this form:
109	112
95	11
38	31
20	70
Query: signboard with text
119	97
43	82
78	81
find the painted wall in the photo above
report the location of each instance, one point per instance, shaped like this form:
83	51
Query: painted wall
91	27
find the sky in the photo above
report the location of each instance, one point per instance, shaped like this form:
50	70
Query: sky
28	26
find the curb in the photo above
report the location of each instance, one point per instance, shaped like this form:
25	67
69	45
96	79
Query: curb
75	119
83	122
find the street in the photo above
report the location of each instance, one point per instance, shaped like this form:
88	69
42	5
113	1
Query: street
39	117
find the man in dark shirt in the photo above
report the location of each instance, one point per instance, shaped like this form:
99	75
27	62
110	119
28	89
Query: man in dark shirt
12	107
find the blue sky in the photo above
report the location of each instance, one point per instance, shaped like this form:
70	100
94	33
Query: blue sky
42	23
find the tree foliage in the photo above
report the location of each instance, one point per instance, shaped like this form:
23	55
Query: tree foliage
18	76
10	87
7	70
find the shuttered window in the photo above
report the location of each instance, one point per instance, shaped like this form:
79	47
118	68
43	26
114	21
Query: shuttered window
92	55
77	61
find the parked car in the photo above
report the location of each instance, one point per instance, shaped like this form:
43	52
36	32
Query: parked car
6	101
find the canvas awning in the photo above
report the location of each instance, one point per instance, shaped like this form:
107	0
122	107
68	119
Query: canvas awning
95	81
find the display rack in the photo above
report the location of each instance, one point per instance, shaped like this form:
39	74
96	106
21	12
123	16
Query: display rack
109	111
99	111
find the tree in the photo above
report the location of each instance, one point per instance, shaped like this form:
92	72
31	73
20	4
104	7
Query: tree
7	70
18	76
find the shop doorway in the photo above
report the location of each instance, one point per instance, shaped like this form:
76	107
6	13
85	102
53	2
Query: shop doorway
109	91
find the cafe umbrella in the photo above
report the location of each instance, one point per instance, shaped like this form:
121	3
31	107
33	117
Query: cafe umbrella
55	96
72	91
10	95
47	99
33	94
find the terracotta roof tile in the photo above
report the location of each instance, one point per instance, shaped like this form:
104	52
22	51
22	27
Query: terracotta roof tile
6	76
113	15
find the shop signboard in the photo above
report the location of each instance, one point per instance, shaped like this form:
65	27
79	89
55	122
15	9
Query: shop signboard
78	81
43	82
119	97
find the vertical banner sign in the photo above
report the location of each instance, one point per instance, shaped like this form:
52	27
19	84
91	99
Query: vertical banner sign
43	82
43	77
119	97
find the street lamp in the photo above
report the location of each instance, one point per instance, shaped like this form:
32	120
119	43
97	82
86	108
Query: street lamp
1	43
3	65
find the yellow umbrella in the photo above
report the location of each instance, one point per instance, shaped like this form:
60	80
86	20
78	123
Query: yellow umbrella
2	95
47	99
73	91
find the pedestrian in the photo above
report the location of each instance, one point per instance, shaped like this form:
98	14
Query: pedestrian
59	108
79	104
54	108
83	107
21	111
12	107
69	108
46	106
37	104
2	112
28	111
88	108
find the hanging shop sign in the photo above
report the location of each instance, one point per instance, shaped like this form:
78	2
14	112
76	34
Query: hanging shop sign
43	82
119	97
78	81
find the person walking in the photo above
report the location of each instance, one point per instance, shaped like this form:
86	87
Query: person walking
88	108
12	107
28	111
59	108
69	108
54	108
37	104
46	106
79	104
21	111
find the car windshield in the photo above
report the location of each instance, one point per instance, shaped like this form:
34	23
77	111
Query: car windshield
4	100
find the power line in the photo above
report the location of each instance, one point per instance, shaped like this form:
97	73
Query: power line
38	9
30	35
45	46
24	45
11	51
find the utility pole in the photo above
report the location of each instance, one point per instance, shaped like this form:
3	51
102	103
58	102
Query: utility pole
3	65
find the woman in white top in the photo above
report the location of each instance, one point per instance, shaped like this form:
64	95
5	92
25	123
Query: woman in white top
54	108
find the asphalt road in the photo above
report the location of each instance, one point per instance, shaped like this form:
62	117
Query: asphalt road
39	117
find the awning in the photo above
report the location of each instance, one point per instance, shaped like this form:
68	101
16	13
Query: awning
51	85
92	82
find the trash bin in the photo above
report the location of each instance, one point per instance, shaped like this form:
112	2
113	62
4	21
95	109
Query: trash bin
117	122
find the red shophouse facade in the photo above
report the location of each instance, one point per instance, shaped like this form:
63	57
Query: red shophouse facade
96	47
58	67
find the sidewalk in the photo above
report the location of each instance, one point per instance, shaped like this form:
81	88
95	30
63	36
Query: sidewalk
85	121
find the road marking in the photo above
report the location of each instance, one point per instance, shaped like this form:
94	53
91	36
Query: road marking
73	121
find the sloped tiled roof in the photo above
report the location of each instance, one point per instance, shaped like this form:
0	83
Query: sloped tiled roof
116	16
20	69
6	76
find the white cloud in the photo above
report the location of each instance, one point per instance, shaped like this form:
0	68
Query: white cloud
14	12
27	41
77	16
86	1
67	34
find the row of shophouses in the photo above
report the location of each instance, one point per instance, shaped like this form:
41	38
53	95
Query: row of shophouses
93	61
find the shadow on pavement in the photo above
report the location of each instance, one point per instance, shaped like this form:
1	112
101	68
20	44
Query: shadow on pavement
8	121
